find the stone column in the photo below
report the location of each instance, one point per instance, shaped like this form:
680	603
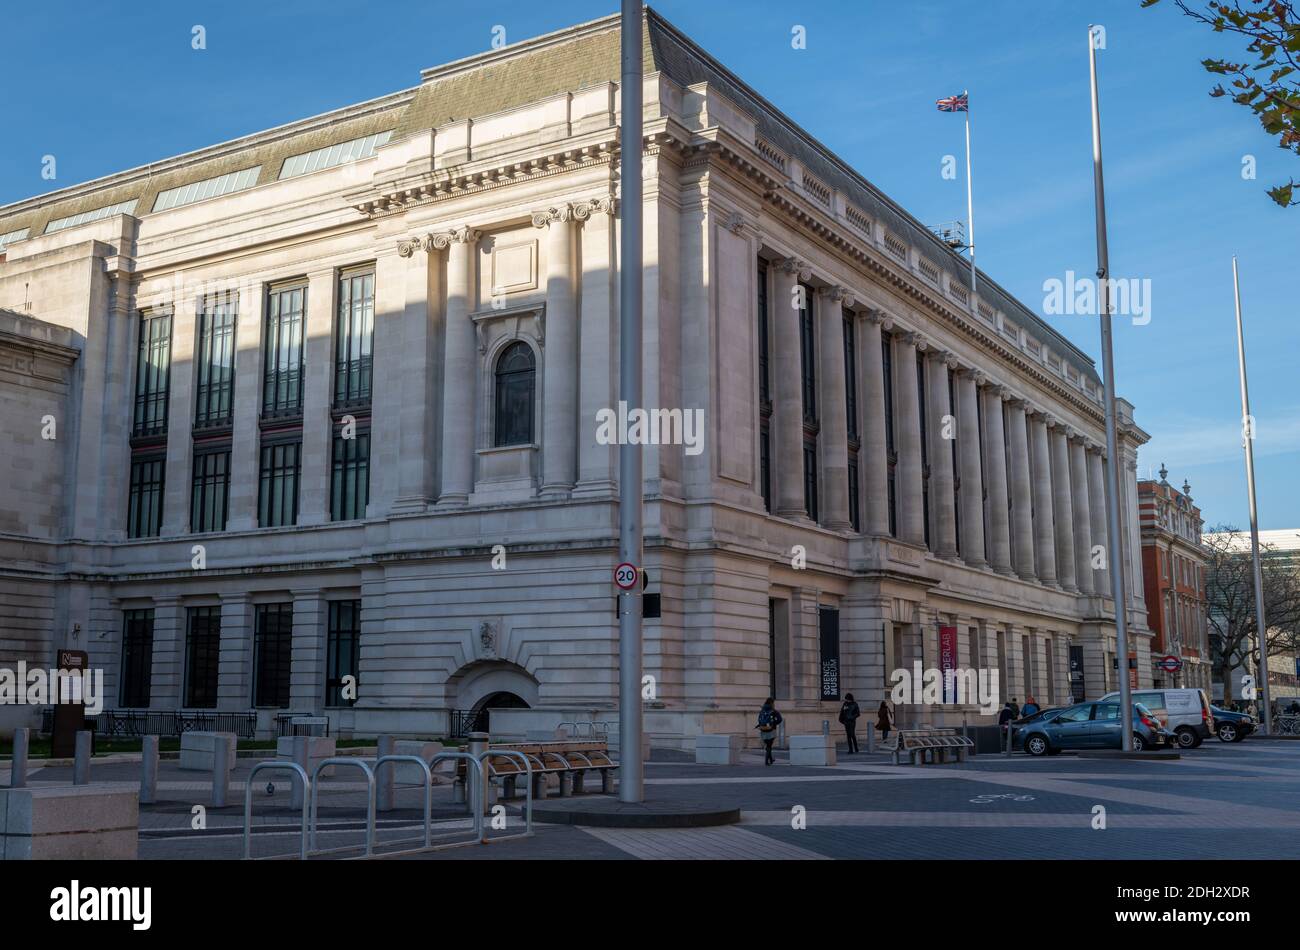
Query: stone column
560	370
907	440
307	668
317	428
391	274
972	483
834	435
168	662
246	411
995	465
874	459
1097	512
942	430
599	350
1062	505
787	378
180	416
1022	500
459	365
235	656
1082	516
1044	532
119	405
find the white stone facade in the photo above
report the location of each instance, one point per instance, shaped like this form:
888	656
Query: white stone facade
501	226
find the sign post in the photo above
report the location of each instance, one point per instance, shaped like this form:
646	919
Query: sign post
68	698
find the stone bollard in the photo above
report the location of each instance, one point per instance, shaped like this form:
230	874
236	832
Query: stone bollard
475	786
220	775
297	793
149	770
385	792
18	768
81	764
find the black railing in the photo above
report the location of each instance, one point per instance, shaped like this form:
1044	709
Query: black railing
135	723
285	725
462	722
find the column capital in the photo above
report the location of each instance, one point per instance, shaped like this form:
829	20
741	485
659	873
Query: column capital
558	214
912	338
944	356
837	294
879	317
792	265
459	235
602	204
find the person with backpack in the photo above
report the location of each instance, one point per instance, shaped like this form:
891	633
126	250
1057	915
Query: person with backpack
849	713
769	717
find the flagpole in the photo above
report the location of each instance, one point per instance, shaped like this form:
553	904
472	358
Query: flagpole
970	206
1248	442
1111	466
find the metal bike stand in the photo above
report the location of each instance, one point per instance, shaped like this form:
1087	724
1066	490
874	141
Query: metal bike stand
428	791
370	804
528	798
248	802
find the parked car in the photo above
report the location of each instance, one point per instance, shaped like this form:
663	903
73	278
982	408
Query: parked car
1185	712
1232	726
1094	725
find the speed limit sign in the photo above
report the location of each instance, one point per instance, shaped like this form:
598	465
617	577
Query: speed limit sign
625	575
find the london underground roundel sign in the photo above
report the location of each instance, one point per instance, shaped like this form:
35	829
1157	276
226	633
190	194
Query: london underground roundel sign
625	575
1171	664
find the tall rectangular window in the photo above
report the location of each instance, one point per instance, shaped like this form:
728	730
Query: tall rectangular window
925	445
272	653
210	492
350	477
764	389
810	477
202	656
214	391
887	367
277	496
808	355
765	465
353	339
144	508
152	374
282	352
851	409
343	650
956	468
855	509
137	658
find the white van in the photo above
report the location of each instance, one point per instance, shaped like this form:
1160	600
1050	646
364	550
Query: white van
1184	712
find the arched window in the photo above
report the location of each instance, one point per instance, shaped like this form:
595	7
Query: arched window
515	377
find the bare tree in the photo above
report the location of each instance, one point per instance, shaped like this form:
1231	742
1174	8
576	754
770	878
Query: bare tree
1230	590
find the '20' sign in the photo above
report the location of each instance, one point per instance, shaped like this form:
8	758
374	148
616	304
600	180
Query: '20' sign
625	575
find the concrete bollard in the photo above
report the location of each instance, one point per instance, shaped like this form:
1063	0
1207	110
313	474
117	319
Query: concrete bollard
18	768
385	781
149	770
475	786
81	764
297	793
220	775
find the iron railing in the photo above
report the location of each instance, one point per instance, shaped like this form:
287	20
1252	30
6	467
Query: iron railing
461	722
285	725
136	723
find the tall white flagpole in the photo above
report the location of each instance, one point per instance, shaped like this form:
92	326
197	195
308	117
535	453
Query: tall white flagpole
970	207
1115	550
1248	442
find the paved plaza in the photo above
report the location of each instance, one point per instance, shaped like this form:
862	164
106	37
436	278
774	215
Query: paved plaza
1220	800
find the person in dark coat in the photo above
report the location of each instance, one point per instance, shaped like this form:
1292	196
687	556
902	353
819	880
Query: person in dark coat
769	717
884	719
1005	718
1015	708
849	713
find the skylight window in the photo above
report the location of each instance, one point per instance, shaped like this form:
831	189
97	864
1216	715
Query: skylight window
60	224
333	155
208	188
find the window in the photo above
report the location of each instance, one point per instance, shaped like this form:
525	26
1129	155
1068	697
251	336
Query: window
350	477
137	658
925	444
515	377
956	467
282	355
332	155
765	465
144	509
202	654
810	477
207	188
850	375
887	380
855	512
808	355
216	361
1076	714
277	493
152	374
272	654
210	491
764	390
353	339
343	650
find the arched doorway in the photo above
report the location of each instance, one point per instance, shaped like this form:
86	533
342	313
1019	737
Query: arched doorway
480	715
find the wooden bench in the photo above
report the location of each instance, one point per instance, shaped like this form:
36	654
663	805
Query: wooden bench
920	745
568	759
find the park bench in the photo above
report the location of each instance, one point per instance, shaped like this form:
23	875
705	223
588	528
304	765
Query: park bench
568	759
921	745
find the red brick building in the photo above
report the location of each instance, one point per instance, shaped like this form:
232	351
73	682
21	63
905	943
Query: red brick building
1173	571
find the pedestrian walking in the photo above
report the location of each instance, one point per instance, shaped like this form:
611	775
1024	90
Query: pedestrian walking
884	719
769	717
1015	708
849	713
1031	706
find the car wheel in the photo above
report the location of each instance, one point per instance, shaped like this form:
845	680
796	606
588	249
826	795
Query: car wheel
1228	733
1187	737
1037	745
1139	744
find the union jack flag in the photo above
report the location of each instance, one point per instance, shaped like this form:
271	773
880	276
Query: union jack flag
954	103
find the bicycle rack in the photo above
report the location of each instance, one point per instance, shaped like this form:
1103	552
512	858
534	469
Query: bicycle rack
308	786
370	805
428	792
528	793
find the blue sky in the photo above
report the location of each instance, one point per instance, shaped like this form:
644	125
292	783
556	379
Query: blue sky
106	86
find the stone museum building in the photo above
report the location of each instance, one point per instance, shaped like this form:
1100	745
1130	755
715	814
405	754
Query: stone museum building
306	422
